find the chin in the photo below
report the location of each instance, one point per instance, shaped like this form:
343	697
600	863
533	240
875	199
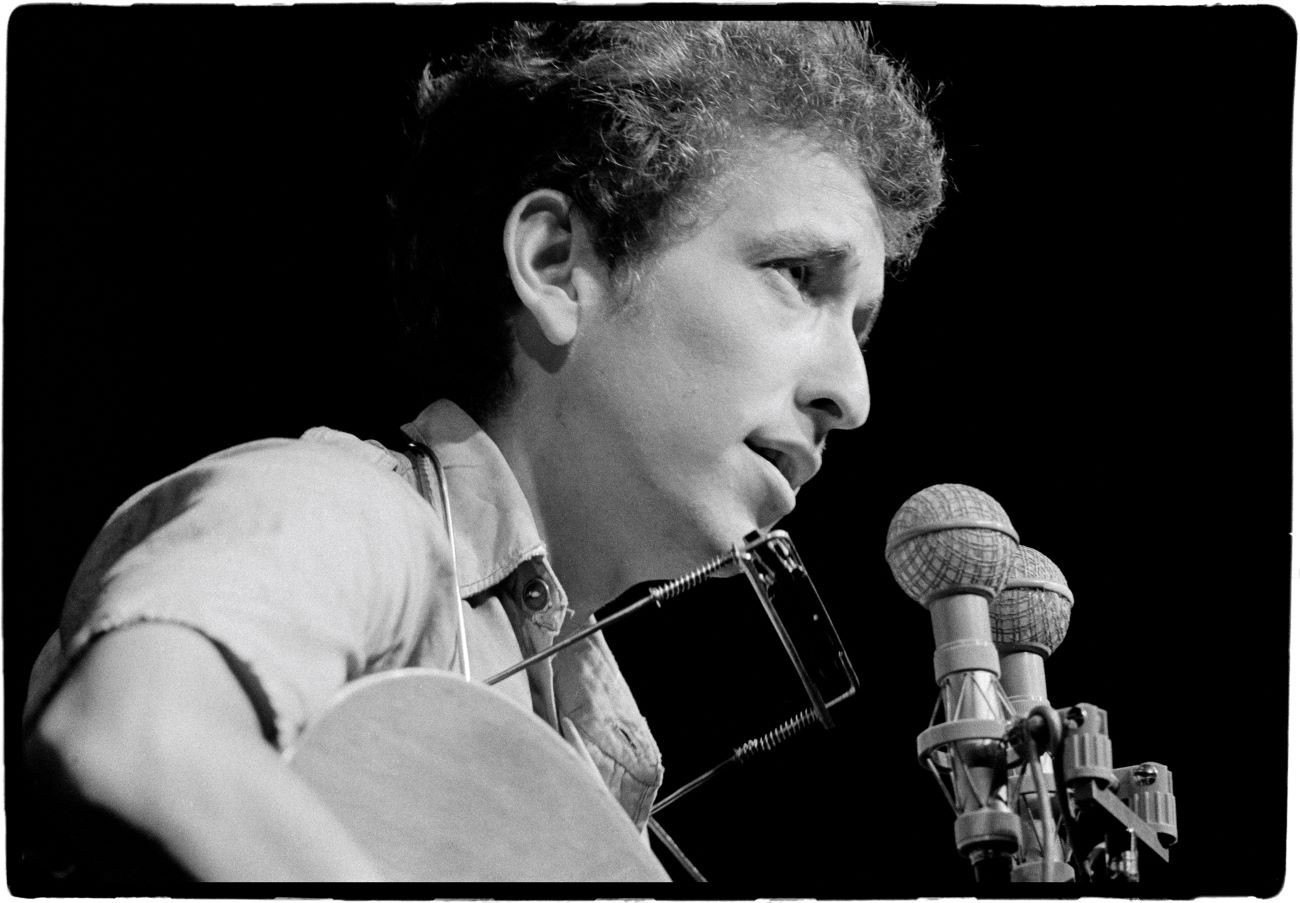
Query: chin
724	532
701	533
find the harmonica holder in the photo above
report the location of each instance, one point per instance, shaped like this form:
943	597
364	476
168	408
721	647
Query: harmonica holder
781	583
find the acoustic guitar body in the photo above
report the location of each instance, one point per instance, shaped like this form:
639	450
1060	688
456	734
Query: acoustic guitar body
444	780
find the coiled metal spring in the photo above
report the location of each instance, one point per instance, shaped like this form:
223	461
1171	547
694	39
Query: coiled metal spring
692	579
776	736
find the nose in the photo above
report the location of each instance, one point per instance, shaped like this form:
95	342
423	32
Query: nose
835	389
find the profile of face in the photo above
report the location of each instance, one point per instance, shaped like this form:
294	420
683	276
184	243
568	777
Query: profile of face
693	409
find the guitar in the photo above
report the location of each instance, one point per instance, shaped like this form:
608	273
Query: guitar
440	779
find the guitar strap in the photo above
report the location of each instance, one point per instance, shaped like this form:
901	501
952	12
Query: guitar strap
428	471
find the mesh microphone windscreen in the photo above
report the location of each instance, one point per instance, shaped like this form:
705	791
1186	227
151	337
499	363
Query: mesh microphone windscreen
950	537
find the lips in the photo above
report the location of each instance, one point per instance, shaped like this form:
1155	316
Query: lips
792	460
775	458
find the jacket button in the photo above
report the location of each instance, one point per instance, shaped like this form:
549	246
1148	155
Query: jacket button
537	595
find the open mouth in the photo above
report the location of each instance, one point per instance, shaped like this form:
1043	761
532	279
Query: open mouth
777	459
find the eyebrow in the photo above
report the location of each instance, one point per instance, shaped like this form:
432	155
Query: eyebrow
802	244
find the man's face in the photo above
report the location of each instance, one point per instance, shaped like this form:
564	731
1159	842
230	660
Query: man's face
702	403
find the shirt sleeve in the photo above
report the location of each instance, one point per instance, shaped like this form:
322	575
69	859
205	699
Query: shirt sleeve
305	563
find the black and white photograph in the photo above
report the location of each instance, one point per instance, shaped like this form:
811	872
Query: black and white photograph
667	451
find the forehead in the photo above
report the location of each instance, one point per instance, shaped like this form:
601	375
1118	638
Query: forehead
789	199
796	191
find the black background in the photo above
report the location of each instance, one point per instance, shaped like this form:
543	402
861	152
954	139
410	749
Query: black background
1096	332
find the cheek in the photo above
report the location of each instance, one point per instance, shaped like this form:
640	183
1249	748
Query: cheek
716	325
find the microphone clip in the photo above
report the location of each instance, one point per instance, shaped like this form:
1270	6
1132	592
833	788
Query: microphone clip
967	750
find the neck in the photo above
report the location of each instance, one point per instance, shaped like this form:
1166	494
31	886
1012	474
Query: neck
588	559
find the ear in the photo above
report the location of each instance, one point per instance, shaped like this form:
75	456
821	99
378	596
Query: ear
548	251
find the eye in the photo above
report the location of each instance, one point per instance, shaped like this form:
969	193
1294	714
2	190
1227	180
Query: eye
799	274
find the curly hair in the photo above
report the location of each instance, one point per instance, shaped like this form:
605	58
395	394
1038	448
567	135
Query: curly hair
635	122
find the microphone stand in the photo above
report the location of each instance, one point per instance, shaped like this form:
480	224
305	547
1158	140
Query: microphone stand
1108	816
1041	857
1116	813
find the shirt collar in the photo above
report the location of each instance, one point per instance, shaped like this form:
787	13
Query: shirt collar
495	530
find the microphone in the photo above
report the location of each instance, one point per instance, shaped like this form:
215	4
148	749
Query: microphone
950	548
1112	813
1029	619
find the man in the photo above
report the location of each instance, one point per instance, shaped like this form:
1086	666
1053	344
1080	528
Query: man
639	261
